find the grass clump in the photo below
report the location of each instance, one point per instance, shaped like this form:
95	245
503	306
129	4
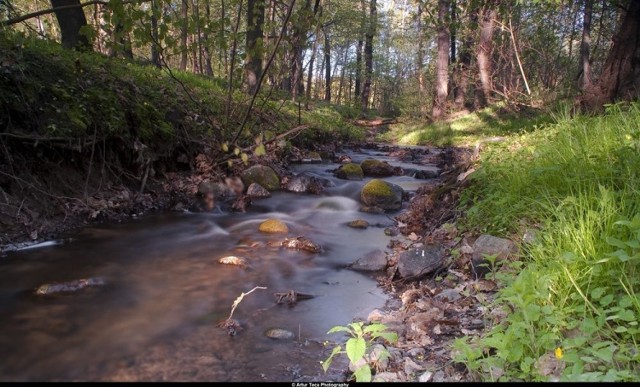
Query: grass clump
573	309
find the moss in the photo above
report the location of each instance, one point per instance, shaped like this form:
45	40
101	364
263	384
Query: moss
372	167
263	175
350	171
358	223
273	226
377	187
371	163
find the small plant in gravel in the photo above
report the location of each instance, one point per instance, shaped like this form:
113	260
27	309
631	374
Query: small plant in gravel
359	345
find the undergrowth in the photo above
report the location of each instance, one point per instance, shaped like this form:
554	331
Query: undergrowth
572	311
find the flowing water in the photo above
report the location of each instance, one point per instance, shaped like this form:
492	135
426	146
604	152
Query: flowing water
155	317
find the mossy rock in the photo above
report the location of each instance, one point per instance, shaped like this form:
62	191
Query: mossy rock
358	223
372	167
380	193
263	175
273	226
350	171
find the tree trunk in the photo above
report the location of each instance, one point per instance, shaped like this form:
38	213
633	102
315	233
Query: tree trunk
208	68
310	73
155	43
461	74
620	78
183	35
453	30
359	52
585	46
368	55
442	69
327	67
485	47
420	64
253	56
71	21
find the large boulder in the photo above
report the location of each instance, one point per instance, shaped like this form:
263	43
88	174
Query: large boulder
350	171
422	261
382	194
373	261
263	175
372	167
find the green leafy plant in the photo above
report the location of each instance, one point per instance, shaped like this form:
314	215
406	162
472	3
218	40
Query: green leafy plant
359	345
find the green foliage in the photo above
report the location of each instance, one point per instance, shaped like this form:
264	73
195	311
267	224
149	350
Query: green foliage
578	182
358	345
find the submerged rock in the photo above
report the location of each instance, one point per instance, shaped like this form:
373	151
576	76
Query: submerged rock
233	260
279	334
350	171
372	167
273	226
382	194
68	287
263	175
358	223
304	183
257	191
301	243
372	210
312	158
373	261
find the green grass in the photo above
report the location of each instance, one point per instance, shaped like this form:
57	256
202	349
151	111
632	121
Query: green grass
577	286
495	120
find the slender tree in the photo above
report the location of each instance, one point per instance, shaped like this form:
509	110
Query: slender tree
368	54
184	34
485	47
585	46
254	46
439	109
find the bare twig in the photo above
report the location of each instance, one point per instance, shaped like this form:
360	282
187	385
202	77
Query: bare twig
239	299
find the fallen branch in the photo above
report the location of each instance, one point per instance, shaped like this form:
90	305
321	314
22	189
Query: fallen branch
233	326
378	122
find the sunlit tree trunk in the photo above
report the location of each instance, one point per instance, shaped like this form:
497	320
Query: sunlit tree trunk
485	47
368	55
585	46
439	109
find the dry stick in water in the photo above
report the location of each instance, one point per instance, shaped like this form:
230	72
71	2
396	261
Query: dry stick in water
230	324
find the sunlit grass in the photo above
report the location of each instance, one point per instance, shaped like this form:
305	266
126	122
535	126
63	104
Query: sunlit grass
576	183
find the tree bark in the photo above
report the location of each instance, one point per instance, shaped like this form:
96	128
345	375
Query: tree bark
359	52
368	55
255	35
420	63
310	71
327	67
155	53
439	109
71	21
620	78
183	35
208	68
485	47
585	46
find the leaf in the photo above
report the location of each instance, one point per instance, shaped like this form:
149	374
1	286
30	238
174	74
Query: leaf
225	147
375	328
357	328
245	158
260	150
339	329
236	151
363	374
356	347
391	337
327	363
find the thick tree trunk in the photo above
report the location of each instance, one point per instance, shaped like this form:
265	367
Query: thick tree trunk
71	21
585	46
183	35
368	55
253	56
620	77
439	109
485	47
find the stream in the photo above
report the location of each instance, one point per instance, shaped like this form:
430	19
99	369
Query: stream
155	317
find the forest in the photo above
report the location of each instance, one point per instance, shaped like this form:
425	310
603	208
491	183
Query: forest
498	140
